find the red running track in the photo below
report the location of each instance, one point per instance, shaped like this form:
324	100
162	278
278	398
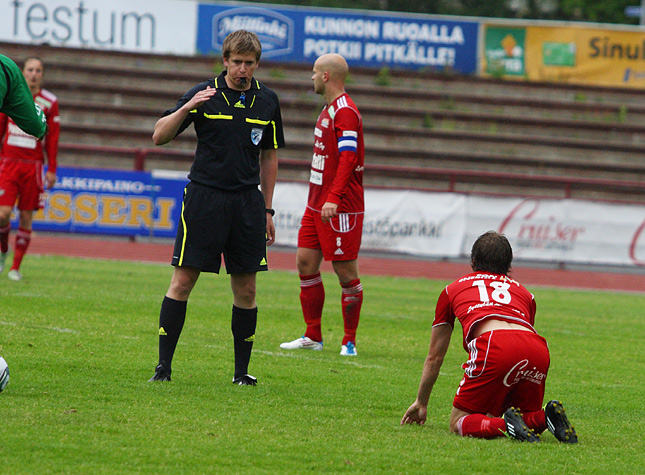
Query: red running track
284	259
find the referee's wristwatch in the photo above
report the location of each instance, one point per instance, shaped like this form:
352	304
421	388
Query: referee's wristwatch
271	211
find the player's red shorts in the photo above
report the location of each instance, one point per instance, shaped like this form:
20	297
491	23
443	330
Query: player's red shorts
506	368
23	180
339	239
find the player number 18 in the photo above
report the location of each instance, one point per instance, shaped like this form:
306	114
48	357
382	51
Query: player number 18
499	294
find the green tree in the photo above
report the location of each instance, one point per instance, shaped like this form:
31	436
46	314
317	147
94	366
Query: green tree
491	8
601	11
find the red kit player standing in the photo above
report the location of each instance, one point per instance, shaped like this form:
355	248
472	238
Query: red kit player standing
22	158
508	361
332	224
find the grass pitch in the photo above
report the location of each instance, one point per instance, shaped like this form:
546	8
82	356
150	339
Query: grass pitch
80	338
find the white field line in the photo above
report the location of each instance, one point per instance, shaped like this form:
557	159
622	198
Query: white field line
303	355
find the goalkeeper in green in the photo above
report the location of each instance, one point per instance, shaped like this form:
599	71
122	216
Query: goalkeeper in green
17	102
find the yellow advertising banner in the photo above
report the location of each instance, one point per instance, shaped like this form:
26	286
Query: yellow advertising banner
585	56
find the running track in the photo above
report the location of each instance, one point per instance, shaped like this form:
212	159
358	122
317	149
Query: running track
284	259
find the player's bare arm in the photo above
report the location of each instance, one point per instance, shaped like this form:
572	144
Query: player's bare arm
166	128
439	342
268	177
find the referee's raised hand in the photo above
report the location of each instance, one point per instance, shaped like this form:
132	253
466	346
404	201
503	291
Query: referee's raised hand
202	96
166	128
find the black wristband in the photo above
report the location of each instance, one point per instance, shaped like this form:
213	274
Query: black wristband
270	211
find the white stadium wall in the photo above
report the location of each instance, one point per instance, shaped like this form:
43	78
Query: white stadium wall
446	225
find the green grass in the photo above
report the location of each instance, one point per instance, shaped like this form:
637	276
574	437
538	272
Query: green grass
80	340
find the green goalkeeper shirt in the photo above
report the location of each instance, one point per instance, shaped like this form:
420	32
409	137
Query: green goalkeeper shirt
17	102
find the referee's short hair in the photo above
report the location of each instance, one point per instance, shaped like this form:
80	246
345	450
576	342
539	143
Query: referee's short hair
492	253
242	42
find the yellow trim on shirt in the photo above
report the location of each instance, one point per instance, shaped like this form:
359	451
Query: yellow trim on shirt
258	121
218	116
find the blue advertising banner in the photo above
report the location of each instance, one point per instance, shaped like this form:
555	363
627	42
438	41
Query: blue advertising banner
364	38
120	203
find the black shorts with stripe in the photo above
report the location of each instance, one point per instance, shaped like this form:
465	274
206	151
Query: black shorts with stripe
215	222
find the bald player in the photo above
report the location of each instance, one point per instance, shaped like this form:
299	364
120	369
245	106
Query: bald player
332	225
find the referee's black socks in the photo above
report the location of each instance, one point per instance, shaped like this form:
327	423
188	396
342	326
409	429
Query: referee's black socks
243	325
171	321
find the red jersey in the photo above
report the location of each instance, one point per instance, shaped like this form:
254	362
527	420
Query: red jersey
18	145
338	160
481	296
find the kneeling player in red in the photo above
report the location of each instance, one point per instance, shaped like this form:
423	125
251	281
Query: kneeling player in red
504	378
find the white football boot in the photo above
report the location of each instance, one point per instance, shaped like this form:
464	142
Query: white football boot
349	349
302	343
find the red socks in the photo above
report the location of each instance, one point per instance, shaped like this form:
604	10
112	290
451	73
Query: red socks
23	238
4	238
312	299
352	300
478	425
535	420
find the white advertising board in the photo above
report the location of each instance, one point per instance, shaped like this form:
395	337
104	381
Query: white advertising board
446	225
563	230
150	26
431	224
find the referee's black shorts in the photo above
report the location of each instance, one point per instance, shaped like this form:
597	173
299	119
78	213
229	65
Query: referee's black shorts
215	222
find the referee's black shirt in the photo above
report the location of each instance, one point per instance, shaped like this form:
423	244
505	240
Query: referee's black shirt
231	131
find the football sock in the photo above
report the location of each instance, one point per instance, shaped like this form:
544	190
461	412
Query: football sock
243	325
535	420
478	425
312	299
4	238
352	300
171	321
23	238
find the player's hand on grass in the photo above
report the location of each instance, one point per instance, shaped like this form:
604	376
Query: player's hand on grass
416	414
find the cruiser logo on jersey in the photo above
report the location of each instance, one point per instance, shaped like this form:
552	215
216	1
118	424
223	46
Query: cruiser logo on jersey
256	135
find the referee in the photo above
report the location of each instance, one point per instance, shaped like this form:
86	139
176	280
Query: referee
239	129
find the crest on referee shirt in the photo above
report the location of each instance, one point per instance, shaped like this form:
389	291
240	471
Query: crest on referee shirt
256	135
